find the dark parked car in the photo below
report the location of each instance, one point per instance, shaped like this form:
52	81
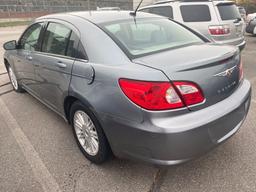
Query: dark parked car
143	87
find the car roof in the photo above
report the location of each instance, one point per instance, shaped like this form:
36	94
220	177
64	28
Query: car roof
191	1
98	17
170	2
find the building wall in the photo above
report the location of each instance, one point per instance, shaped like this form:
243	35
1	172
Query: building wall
92	4
36	8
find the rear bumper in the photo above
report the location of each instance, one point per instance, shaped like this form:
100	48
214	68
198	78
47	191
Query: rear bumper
173	140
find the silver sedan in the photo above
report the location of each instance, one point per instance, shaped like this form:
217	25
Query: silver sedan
139	86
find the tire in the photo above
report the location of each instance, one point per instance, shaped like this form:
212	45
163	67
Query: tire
15	84
103	152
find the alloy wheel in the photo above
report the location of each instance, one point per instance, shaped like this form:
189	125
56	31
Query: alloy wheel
86	132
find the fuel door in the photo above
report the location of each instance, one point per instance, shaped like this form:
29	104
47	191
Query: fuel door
83	69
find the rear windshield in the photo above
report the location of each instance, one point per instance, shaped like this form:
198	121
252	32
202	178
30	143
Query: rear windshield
228	12
195	13
147	36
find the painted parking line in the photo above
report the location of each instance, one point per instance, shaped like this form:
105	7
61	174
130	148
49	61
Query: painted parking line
3	73
8	83
5	92
40	171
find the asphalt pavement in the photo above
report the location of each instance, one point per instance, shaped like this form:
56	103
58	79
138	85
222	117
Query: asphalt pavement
38	151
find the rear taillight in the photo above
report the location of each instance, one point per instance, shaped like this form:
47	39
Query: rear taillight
241	71
161	95
190	92
219	30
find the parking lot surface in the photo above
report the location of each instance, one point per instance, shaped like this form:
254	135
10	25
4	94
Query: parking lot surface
38	151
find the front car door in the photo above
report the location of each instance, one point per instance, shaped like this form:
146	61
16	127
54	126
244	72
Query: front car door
27	46
54	64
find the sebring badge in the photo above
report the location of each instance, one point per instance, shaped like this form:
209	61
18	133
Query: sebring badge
226	73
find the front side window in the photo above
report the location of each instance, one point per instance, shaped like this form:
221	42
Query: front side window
228	12
195	13
29	41
56	39
146	36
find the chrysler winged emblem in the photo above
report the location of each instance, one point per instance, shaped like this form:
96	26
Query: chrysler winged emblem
226	73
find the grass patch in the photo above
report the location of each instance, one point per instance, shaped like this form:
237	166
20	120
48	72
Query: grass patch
14	23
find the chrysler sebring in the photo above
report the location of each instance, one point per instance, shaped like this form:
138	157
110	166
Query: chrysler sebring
138	86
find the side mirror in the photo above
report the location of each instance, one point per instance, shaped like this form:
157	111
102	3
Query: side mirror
10	45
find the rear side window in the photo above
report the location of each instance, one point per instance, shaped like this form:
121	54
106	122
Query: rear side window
56	39
228	12
165	11
80	52
195	13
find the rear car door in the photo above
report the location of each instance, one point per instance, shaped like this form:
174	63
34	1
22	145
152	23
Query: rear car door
28	46
54	63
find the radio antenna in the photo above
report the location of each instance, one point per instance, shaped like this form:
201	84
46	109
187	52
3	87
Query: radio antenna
133	13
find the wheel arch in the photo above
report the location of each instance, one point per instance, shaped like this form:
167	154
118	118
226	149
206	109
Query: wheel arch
72	98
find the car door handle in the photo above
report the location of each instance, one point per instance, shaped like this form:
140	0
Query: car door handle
61	65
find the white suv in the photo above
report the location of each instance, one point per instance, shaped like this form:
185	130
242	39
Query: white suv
219	21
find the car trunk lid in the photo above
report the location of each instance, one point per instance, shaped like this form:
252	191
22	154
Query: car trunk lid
214	68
